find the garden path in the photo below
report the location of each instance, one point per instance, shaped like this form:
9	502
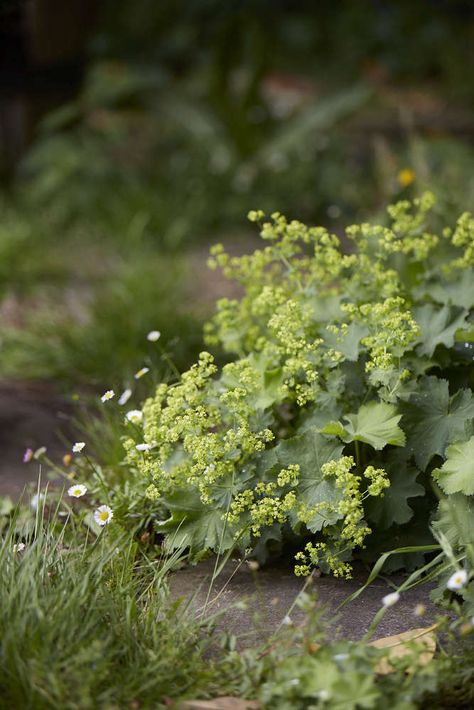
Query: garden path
32	414
269	594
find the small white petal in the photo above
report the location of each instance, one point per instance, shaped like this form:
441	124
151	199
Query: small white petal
35	500
103	515
40	452
125	396
19	547
391	599
78	446
141	372
77	491
107	395
286	621
153	336
135	416
143	447
457	580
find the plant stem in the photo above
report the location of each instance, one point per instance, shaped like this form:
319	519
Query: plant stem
357	454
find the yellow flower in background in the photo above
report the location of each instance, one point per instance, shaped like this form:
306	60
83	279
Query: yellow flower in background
406	177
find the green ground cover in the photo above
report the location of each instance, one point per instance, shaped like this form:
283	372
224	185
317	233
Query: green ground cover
335	414
375	406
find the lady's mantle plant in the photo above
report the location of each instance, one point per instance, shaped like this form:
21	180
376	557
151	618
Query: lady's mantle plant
347	387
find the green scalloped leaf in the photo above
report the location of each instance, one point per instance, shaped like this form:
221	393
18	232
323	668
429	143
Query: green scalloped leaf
393	507
375	423
349	344
459	292
432	419
194	525
438	326
310	450
454	519
456	475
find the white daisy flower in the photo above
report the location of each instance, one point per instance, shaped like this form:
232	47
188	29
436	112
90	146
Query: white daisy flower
457	580
143	447
135	416
19	547
78	446
125	396
36	499
391	599
103	515
153	336
107	395
287	621
77	490
141	372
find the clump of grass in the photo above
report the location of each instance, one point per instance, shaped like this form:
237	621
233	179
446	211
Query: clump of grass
102	338
86	622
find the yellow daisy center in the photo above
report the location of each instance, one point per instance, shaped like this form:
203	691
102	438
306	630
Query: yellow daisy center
104	515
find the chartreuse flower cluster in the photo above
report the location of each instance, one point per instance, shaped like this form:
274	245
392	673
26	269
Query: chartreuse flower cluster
317	430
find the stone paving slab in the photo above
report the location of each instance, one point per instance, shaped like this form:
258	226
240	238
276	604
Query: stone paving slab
271	591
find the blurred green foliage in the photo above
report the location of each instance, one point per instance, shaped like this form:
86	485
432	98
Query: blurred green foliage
95	333
191	114
413	42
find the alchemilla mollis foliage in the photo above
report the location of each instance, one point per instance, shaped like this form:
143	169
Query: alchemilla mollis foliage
345	409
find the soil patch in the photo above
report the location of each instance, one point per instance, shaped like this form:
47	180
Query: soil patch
32	414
